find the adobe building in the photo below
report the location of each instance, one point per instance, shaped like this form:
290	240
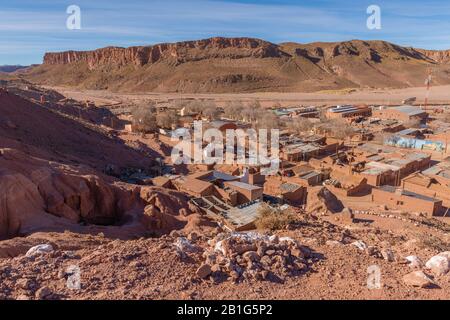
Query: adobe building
194	187
306	173
428	186
300	152
245	192
400	199
252	175
402	113
285	190
213	176
348	112
347	185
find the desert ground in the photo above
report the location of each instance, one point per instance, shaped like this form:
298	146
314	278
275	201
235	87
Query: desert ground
438	95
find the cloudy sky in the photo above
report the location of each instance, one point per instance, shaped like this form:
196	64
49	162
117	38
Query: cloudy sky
29	28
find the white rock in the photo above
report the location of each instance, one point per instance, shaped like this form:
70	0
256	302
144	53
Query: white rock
388	255
184	245
445	254
439	265
414	262
360	245
39	249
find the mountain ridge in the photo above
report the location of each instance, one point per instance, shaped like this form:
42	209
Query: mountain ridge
243	65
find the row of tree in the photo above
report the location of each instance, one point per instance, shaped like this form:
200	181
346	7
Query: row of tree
146	119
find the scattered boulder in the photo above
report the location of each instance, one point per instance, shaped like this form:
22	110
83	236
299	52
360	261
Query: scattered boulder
418	279
414	262
25	283
246	256
184	245
445	254
388	255
360	245
39	249
439	265
204	271
192	236
251	256
43	293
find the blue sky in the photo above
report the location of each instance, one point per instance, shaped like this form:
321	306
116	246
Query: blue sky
29	28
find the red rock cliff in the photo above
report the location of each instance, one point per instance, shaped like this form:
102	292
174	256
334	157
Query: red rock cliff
440	56
233	48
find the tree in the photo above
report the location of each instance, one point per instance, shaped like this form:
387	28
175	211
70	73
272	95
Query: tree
167	119
210	110
300	125
144	119
194	106
266	120
233	110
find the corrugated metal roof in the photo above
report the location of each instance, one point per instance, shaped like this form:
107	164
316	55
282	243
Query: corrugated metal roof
243	185
410	110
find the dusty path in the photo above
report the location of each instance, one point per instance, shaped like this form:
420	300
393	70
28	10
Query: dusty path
438	95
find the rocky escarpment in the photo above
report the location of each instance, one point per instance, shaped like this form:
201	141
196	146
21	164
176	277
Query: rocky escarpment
224	65
177	52
440	56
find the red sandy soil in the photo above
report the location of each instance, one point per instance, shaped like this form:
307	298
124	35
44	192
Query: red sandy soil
152	269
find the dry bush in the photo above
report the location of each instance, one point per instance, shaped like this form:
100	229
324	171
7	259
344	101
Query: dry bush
274	218
431	242
266	120
300	125
233	110
167	119
144	119
337	128
211	111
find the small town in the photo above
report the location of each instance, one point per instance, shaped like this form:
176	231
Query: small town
364	158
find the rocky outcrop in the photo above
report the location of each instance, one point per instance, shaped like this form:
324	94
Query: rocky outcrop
33	194
222	65
37	195
180	52
439	56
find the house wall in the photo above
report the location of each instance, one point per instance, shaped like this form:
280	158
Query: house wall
246	195
256	179
298	196
403	202
389	114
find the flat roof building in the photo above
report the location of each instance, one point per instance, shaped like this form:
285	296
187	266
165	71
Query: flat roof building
402	113
400	199
348	111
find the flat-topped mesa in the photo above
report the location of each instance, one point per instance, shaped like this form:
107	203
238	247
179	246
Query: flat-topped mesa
440	56
233	48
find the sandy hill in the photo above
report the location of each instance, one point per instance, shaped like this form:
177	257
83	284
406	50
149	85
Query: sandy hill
244	65
41	131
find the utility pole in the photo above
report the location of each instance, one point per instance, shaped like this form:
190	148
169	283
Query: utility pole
428	83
